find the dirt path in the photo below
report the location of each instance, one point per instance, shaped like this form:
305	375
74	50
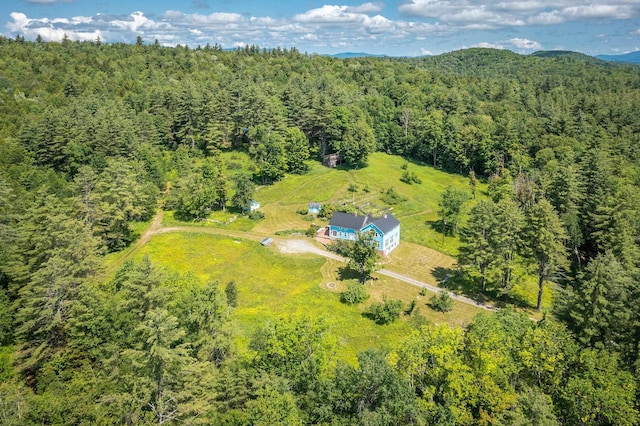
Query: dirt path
435	289
152	230
305	246
284	245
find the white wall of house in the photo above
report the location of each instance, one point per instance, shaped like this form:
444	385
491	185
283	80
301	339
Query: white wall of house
391	240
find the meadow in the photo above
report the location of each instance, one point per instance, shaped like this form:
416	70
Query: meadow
418	213
272	285
276	285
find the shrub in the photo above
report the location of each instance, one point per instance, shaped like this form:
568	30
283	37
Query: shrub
284	232
256	215
312	230
341	247
326	211
355	293
232	294
411	308
302	211
234	165
391	197
441	302
423	292
385	312
410	177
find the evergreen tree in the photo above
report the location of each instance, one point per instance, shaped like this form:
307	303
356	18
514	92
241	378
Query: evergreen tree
597	307
297	150
478	240
450	204
544	238
63	251
507	239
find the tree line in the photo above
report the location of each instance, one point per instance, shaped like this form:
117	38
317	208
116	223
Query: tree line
90	134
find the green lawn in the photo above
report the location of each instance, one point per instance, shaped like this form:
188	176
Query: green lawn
219	219
272	285
417	213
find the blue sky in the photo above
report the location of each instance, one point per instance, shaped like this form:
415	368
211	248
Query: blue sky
397	28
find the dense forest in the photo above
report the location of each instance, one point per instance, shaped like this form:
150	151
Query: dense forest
93	134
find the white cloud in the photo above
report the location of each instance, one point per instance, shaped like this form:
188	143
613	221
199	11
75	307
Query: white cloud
599	11
362	26
177	17
523	43
488	45
54	29
547	18
330	15
424	51
486	14
370	7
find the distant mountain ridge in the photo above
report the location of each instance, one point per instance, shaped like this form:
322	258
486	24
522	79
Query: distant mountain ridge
631	58
346	55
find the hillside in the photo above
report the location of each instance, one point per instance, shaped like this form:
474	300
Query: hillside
134	288
630	58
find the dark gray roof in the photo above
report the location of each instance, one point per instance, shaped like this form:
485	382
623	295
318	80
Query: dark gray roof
345	220
385	223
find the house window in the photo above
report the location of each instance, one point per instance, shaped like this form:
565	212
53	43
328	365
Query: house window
334	233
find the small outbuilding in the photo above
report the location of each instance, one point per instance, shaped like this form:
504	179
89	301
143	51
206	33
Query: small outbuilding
332	160
255	205
314	208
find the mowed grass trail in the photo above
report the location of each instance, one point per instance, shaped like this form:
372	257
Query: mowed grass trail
272	285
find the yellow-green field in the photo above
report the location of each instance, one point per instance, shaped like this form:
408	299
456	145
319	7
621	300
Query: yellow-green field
274	285
281	200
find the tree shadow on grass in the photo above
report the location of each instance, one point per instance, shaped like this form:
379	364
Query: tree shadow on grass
505	298
435	225
345	273
458	282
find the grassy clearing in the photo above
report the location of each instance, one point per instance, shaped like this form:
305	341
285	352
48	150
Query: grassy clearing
418	212
272	285
219	219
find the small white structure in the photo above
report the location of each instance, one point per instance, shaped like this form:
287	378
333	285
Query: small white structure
314	208
254	205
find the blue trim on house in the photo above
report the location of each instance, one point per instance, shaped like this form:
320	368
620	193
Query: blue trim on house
345	226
